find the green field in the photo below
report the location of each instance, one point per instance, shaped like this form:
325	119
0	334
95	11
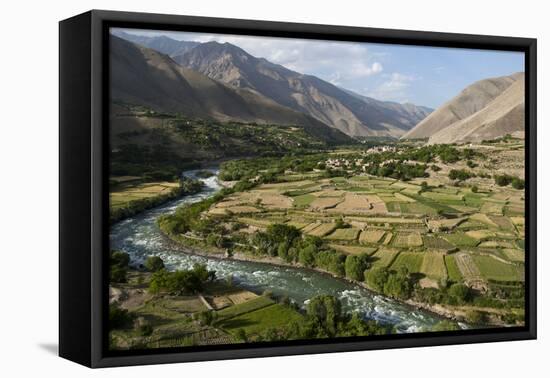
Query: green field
461	240
353	249
433	265
493	269
251	305
344	234
123	195
257	321
384	257
410	260
303	200
436	242
452	269
407	240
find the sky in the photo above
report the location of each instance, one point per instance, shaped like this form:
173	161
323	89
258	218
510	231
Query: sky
427	76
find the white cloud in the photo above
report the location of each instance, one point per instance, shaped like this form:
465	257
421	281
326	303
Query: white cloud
337	62
394	88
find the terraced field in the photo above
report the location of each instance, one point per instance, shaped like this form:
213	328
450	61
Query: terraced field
371	236
347	234
125	194
433	227
384	257
434	266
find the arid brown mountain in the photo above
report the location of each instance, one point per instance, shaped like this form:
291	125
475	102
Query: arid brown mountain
486	109
143	76
161	44
353	114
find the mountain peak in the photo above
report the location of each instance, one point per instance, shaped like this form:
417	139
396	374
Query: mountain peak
485	109
304	93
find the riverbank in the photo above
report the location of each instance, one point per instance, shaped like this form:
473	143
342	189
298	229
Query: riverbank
435	310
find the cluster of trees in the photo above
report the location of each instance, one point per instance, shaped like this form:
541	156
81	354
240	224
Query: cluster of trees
187	217
225	139
398	170
152	162
187	186
287	243
455	294
460	174
118	266
396	284
154	264
446	153
505	180
324	318
181	282
119	317
267	168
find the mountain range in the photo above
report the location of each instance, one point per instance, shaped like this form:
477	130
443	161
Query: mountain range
350	113
353	114
224	82
162	44
143	76
487	109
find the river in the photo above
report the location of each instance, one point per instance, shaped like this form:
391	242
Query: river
140	237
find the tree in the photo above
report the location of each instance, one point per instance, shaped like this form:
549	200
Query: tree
474	317
424	186
518	183
118	266
356	266
241	335
306	256
120	258
503	180
376	278
118	317
445	325
460	292
181	281
158	281
332	261
326	310
154	263
398	284
460	174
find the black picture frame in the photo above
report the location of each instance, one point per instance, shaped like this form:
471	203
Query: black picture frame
83	196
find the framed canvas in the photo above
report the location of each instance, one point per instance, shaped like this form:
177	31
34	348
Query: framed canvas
234	188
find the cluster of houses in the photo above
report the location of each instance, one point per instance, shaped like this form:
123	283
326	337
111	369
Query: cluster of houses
347	164
379	149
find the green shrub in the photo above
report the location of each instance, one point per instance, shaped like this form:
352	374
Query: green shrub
355	266
154	263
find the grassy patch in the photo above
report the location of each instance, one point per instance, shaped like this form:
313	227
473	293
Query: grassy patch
323	229
452	268
516	255
410	260
371	236
344	234
248	306
255	322
436	242
408	240
353	249
384	257
461	240
303	200
433	265
493	269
